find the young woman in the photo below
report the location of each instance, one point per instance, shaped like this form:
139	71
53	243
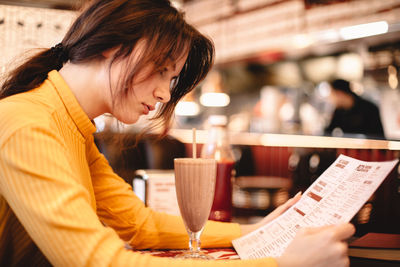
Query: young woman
60	202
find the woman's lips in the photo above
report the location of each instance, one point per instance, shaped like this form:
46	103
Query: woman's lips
147	109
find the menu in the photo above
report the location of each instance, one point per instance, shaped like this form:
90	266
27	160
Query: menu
335	197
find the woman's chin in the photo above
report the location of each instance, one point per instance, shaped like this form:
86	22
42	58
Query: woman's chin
128	120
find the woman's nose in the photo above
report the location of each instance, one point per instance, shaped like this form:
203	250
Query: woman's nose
162	93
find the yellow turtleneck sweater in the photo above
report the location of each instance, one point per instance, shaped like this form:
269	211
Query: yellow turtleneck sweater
60	201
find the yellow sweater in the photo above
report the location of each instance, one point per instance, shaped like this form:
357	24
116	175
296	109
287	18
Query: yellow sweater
60	198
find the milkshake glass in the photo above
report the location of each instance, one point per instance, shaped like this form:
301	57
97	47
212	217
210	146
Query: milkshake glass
195	185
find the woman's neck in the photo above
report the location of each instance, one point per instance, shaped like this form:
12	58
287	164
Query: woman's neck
89	83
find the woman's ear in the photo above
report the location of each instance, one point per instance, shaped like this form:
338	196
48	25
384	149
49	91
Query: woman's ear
109	52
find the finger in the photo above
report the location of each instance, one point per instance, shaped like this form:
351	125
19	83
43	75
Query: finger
346	262
294	199
343	259
285	206
317	230
340	231
289	203
281	209
343	249
344	231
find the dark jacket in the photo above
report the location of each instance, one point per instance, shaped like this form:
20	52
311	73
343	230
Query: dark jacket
362	118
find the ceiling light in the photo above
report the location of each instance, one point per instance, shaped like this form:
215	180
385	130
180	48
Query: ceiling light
214	99
302	41
212	94
187	108
364	30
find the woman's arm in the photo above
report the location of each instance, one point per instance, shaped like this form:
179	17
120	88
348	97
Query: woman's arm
121	209
40	186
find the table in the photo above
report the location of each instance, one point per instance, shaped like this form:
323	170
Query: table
216	253
230	254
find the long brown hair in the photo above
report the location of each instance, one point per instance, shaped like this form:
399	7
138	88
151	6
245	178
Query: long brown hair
106	24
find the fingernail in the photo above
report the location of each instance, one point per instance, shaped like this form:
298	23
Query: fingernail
298	193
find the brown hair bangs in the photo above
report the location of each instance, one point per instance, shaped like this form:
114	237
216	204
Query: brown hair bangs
198	64
171	39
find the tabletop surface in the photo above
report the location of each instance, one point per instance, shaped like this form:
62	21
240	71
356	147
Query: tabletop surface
216	253
230	254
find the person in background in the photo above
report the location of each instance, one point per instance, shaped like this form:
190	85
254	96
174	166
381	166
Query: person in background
353	114
61	204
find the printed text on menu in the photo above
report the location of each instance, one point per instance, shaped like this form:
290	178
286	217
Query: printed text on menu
335	197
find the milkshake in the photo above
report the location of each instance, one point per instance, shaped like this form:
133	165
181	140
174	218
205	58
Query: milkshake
195	185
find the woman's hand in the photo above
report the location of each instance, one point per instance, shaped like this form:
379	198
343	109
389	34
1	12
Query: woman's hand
322	246
247	228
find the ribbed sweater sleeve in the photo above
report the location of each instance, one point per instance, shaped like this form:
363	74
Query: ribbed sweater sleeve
55	210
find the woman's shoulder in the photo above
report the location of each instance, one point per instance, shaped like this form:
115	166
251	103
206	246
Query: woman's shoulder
28	104
23	110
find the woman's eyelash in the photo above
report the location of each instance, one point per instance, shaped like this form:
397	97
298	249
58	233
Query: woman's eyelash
163	71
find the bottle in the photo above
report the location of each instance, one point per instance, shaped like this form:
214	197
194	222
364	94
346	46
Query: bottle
219	148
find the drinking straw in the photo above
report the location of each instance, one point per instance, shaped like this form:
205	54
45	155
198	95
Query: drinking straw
194	142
